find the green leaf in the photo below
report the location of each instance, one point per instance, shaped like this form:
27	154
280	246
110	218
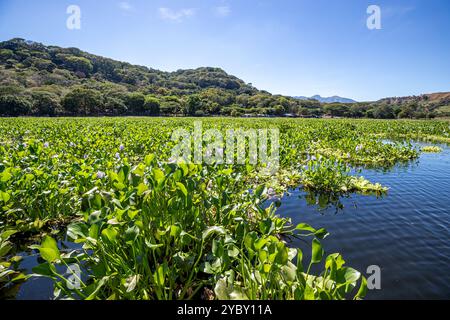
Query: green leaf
212	230
317	251
7	233
148	159
321	233
45	269
225	291
300	260
98	286
182	188
160	275
5	196
152	246
289	272
5	176
221	289
131	234
110	234
131	282
309	293
227	172
362	289
282	254
238	294
141	188
351	275
305	227
159	175
259	190
49	250
77	230
5	247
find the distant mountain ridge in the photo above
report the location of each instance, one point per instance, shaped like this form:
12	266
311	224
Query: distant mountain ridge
332	99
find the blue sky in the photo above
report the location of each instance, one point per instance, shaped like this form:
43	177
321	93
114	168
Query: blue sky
291	47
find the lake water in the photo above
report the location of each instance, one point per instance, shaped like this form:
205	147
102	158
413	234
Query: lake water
406	233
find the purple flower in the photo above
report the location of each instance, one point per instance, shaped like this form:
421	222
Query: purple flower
122	147
358	148
100	175
118	156
46	145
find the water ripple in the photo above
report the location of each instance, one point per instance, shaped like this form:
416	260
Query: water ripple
405	233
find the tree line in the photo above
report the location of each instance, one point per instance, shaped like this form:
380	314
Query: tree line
39	80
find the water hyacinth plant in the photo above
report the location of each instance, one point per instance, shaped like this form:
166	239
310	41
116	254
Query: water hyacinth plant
163	235
151	228
431	149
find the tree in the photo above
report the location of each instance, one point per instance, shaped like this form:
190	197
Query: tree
45	103
212	108
170	105
114	105
408	110
235	113
6	54
82	101
152	105
357	110
193	103
13	105
76	64
135	102
279	110
369	114
43	64
336	110
199	113
384	112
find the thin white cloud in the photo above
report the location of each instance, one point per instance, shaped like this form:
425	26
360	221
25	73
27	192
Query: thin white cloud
223	11
176	16
126	6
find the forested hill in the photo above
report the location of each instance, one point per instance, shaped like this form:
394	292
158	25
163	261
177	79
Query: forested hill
47	80
40	80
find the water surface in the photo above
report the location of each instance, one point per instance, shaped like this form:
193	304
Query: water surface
406	233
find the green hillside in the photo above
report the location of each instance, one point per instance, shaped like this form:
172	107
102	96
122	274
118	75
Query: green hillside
40	80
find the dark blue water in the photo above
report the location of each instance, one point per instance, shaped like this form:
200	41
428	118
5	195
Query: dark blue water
39	288
406	233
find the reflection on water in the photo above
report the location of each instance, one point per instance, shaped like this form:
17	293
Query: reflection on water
323	201
405	233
